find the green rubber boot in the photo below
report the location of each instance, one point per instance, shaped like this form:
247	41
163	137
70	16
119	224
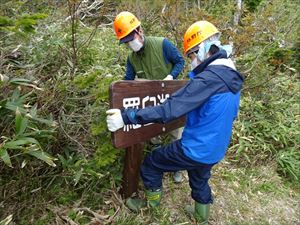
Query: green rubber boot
153	197
200	212
153	200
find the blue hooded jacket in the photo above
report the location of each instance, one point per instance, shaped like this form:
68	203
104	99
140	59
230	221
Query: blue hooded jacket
210	100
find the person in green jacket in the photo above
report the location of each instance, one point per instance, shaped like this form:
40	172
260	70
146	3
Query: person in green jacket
152	58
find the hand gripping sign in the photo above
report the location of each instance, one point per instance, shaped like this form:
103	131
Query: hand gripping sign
139	94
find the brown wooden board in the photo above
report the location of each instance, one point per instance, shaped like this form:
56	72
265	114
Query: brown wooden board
131	169
140	94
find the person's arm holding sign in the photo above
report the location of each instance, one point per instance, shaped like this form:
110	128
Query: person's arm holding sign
191	96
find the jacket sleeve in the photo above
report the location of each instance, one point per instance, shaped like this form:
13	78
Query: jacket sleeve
172	55
130	73
196	92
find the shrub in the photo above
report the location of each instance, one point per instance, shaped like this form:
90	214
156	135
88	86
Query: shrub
30	133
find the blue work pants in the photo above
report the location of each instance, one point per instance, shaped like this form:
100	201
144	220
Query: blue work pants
170	158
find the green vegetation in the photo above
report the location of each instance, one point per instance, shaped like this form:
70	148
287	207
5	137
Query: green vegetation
57	164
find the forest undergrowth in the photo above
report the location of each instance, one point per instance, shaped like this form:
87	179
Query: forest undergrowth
57	163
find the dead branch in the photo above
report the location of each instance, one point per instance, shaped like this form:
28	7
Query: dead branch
85	9
72	139
67	219
257	57
90	37
96	215
171	24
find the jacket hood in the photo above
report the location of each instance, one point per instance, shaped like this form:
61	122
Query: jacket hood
219	55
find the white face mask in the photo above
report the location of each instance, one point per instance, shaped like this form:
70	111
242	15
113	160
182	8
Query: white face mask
194	63
135	45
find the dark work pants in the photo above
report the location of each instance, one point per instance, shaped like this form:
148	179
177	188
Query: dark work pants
171	158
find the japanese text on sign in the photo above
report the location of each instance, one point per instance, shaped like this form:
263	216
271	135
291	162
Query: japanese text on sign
136	103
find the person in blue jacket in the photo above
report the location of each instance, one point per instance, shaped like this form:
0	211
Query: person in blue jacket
211	101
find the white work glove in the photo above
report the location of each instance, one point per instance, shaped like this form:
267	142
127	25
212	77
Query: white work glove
114	120
169	77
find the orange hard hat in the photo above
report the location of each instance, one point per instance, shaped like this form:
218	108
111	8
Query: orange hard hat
196	33
125	22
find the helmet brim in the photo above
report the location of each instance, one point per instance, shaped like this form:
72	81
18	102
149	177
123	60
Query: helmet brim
127	38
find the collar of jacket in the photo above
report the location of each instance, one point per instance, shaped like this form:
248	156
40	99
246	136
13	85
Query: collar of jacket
219	55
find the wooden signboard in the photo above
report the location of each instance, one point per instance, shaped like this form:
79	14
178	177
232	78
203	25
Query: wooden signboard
139	94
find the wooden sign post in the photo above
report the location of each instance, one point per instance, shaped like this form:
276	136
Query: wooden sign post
139	94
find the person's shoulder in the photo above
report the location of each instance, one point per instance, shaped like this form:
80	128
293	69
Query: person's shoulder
206	76
220	69
130	56
154	38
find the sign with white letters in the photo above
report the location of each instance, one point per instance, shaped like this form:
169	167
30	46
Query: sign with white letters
140	94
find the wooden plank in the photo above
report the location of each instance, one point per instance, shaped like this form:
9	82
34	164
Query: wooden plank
139	94
131	170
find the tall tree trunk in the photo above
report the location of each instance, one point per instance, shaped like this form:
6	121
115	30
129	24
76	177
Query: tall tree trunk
198	4
238	12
